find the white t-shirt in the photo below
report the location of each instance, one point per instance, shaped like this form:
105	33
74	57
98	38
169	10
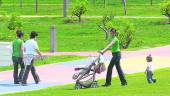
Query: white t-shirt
30	47
149	66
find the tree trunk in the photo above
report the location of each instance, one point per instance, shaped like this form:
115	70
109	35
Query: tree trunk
36	5
105	30
151	2
79	18
65	9
124	6
21	3
104	3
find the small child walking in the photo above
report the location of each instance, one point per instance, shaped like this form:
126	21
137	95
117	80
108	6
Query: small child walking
149	70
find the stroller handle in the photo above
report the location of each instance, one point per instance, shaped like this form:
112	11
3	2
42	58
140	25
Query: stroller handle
77	69
98	58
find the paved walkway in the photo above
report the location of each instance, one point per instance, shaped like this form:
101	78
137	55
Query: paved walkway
158	51
60	74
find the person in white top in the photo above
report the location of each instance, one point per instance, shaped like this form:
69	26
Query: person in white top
149	69
31	47
30	51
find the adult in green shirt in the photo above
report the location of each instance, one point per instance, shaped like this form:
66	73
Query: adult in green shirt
114	45
17	57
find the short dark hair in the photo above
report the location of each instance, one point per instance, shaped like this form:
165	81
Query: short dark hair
113	29
33	34
149	58
19	33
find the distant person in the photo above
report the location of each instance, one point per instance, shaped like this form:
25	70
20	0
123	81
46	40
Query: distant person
149	69
116	52
17	56
30	50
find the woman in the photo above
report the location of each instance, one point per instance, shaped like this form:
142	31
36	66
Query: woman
116	53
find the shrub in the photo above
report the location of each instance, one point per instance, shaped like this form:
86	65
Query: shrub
14	23
69	20
80	8
165	9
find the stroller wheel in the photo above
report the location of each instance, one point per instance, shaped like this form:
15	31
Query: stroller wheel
94	84
78	86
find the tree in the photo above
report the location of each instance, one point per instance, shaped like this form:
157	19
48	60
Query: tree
105	24
165	9
80	8
126	31
127	35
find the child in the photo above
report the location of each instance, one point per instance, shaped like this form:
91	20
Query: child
149	69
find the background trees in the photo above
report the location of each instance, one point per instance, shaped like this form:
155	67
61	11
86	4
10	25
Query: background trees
80	8
165	9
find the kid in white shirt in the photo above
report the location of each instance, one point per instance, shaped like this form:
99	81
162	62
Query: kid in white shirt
149	69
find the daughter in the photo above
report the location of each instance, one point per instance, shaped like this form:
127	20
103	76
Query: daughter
149	69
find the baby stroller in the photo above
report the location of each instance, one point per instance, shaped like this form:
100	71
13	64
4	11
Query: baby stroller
85	78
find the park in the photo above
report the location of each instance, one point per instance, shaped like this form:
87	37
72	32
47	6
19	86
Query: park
72	33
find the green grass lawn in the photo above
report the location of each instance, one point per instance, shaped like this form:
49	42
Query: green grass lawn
48	60
55	7
87	36
137	86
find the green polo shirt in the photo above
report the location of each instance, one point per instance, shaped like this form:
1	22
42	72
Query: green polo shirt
116	46
16	47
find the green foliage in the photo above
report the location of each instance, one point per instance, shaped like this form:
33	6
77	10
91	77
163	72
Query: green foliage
0	2
10	24
3	23
69	20
53	7
14	23
106	24
149	33
165	9
126	32
107	21
80	8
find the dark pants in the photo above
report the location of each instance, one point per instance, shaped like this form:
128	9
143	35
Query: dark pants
150	77
115	61
16	62
33	71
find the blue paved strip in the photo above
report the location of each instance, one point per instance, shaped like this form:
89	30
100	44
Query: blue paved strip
8	87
